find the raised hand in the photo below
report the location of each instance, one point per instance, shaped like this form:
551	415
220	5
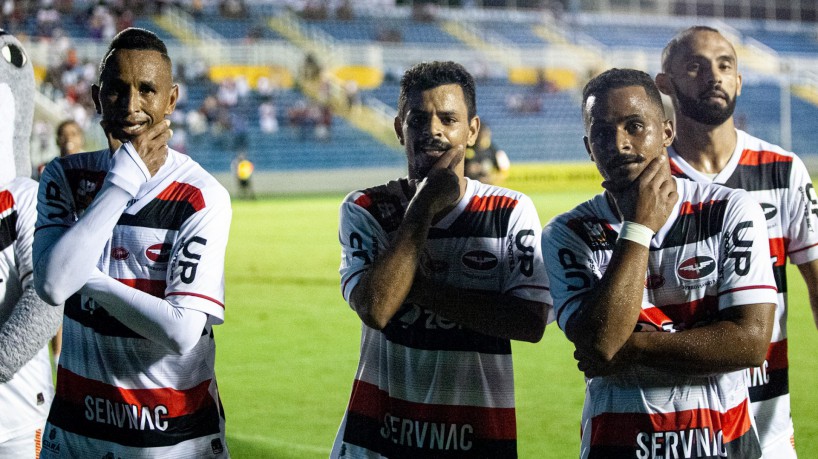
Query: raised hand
152	145
441	187
650	198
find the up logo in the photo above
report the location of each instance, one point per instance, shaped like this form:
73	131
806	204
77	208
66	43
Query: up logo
696	268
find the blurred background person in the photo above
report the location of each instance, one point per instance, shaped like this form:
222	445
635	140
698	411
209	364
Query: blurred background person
485	161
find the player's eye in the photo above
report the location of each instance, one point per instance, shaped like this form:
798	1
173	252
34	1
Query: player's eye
14	55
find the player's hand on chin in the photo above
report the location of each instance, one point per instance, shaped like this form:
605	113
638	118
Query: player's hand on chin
152	145
440	188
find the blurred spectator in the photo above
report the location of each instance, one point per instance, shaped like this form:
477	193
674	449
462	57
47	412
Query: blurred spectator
243	171
48	19
233	9
70	138
268	116
310	70
485	161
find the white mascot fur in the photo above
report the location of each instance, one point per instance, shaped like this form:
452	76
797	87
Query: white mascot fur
26	322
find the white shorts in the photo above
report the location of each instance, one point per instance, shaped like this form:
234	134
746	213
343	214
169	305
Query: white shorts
23	446
783	448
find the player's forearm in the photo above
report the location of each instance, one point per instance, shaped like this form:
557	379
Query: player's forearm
384	287
731	344
608	316
25	331
490	313
64	259
178	329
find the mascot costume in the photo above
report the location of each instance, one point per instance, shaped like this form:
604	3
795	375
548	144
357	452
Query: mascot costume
26	322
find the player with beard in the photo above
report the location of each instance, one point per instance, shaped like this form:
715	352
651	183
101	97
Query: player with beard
443	271
700	74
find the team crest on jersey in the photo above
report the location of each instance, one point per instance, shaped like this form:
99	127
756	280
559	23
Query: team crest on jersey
695	268
480	260
120	253
595	232
654	281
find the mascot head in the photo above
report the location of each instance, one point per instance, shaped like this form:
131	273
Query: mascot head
16	108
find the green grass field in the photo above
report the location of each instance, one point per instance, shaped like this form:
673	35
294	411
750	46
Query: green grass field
289	347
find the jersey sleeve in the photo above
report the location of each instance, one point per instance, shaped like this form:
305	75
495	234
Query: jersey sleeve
196	275
746	275
361	238
801	228
527	278
572	271
26	203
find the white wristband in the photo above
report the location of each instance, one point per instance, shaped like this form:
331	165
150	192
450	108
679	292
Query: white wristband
637	233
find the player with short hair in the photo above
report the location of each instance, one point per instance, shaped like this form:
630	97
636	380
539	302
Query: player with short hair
443	271
700	74
132	238
664	287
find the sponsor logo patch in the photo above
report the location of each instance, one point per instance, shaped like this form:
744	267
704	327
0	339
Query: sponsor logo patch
480	260
120	253
770	210
696	268
159	253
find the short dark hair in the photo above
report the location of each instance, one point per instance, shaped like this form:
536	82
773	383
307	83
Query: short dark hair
429	75
136	39
672	47
621	78
65	123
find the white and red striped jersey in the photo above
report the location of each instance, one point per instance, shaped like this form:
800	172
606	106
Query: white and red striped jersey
24	400
779	181
118	393
426	386
710	255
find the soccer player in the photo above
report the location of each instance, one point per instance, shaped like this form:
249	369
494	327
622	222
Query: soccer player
700	74
132	239
663	285
26	322
443	271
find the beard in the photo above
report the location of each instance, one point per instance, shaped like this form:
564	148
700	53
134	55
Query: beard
702	112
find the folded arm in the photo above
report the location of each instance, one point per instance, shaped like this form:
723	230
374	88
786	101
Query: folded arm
30	326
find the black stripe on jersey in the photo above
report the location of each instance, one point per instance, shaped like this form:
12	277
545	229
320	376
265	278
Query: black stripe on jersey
483	223
419	328
757	177
106	422
97	319
744	447
8	230
780	273
779	385
160	214
366	432
700	222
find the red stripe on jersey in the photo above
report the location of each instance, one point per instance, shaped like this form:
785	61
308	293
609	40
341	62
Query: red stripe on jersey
675	169
490	423
688	208
6	200
754	158
778	250
76	389
178	191
686	315
153	287
623	428
489	203
777	355
198	295
364	201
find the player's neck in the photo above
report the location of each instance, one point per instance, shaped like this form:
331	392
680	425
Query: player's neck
706	148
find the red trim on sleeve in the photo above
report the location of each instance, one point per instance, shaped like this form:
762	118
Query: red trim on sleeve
6	200
198	295
749	287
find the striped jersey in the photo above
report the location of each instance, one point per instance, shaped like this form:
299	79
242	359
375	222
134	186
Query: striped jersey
710	255
779	181
426	386
24	400
119	394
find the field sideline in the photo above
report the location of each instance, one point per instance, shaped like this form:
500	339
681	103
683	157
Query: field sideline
288	350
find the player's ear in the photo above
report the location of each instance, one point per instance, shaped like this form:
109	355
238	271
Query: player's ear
399	129
587	143
664	84
95	97
738	84
174	96
668	132
474	129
